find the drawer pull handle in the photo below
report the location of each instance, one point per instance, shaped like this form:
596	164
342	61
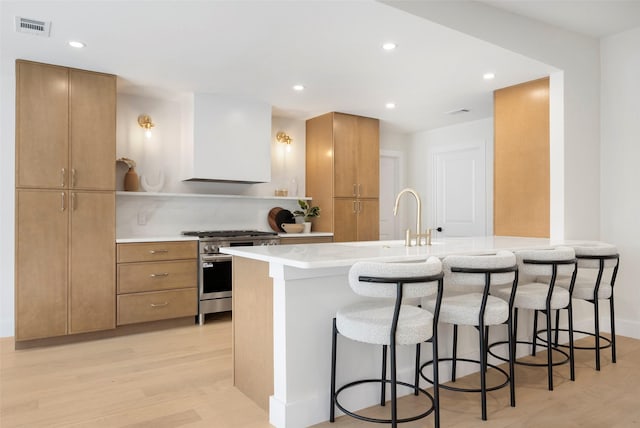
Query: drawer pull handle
158	251
156	275
157	305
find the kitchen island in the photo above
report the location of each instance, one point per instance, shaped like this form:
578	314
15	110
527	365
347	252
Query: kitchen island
284	300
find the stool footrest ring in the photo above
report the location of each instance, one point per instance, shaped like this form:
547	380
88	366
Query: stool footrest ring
383	421
526	363
460	389
606	345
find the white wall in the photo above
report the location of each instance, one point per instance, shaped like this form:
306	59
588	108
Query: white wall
422	143
578	57
620	176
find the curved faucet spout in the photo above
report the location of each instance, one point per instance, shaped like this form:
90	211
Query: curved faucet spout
418	212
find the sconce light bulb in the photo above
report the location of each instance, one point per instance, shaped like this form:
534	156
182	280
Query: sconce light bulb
147	133
288	148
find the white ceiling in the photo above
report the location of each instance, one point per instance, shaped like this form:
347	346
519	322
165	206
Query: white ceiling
262	48
594	18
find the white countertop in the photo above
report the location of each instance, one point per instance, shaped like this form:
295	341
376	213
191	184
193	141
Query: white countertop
338	254
156	239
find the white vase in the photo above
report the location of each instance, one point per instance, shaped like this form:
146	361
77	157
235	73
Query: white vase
307	227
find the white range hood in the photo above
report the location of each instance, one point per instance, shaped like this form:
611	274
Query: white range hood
229	140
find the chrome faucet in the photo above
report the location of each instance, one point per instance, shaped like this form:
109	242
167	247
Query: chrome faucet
419	235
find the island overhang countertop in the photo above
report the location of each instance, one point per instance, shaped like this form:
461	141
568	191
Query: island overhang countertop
339	254
284	300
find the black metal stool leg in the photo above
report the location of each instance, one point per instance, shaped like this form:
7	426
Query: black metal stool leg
596	321
454	356
394	401
383	385
572	361
417	371
557	327
436	377
512	357
535	330
483	373
332	410
613	329
549	357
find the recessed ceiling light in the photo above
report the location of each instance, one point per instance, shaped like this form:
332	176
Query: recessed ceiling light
390	105
488	76
298	87
389	46
76	44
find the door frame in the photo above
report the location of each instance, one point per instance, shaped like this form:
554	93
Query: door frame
434	150
398	158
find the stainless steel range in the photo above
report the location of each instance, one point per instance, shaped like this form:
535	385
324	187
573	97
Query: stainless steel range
215	283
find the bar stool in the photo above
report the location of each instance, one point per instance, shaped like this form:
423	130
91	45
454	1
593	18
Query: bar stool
389	324
467	301
592	286
543	296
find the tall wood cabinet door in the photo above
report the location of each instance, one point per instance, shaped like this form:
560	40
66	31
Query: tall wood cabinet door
92	287
345	140
92	127
42	222
368	163
368	220
344	220
42	113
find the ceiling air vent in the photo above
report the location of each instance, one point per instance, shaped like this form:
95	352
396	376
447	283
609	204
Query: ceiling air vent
33	26
458	111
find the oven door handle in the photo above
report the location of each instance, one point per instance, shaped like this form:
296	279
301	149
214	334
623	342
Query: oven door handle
216	259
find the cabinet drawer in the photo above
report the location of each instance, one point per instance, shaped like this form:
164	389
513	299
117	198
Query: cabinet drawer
156	276
153	251
158	305
305	240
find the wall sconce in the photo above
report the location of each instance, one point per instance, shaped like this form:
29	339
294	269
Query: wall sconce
284	139
145	123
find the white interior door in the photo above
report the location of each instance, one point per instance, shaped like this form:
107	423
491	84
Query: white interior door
460	190
389	188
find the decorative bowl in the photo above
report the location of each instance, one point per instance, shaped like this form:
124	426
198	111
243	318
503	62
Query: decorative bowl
292	227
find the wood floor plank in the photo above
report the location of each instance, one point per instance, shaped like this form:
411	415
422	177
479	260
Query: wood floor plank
181	377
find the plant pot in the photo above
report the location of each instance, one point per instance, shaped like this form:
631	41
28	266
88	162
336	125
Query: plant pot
131	181
307	227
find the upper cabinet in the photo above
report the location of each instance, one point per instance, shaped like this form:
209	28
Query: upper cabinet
229	141
343	175
356	156
65	128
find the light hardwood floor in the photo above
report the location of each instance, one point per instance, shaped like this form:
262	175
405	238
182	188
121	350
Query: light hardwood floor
181	377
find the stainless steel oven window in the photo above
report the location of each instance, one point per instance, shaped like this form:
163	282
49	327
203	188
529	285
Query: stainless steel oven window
215	277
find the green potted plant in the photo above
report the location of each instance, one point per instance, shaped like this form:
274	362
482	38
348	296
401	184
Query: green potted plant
307	212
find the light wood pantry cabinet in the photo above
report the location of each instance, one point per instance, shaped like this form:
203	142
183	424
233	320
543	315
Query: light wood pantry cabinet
65	201
65	262
343	174
65	127
157	280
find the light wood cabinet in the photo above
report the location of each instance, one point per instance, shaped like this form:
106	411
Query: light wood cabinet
92	282
65	201
287	240
156	281
41	274
343	174
65	127
65	259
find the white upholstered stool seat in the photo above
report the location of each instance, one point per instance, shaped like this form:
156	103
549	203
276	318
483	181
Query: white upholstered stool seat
370	322
597	271
468	281
389	322
544	295
464	309
534	296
